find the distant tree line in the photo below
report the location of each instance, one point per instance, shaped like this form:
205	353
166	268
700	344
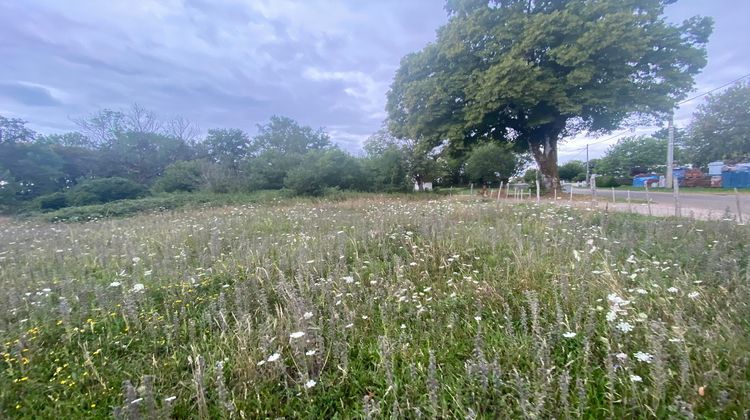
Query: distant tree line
128	154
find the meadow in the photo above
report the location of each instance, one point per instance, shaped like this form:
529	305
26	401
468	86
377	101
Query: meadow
375	307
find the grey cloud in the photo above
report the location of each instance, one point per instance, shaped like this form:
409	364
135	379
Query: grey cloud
223	63
30	95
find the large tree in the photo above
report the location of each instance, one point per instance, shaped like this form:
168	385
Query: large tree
532	72
721	127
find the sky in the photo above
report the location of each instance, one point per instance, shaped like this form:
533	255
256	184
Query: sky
234	64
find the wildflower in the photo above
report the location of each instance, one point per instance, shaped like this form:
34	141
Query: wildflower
309	384
641	291
693	295
274	357
635	378
261	363
307	315
170	399
621	356
311	352
138	287
348	279
643	357
297	334
611	316
115	284
136	260
403	326
569	334
617	300
477	318
625	327
348	325
673	290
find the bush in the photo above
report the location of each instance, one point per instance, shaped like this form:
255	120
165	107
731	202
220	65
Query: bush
606	181
104	190
52	201
180	176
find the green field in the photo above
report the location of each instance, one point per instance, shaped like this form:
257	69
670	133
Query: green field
375	307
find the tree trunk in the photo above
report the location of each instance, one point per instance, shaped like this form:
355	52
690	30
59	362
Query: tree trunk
545	155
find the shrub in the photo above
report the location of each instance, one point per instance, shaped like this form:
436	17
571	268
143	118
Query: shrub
52	201
180	176
104	190
606	181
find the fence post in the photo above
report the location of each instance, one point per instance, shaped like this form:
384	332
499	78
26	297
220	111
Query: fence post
648	198
676	189
613	196
499	190
630	206
537	191
739	209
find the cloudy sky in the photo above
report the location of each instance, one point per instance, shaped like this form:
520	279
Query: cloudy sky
223	63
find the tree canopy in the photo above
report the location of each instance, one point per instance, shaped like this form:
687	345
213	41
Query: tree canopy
720	128
491	163
636	155
531	72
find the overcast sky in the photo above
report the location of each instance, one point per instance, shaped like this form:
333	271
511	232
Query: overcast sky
223	63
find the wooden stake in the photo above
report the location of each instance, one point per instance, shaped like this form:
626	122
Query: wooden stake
739	209
648	198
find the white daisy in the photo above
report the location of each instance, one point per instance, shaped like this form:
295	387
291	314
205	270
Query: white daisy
643	357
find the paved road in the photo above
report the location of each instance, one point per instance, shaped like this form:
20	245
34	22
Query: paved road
714	202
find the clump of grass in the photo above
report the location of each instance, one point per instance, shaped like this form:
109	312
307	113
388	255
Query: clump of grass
374	306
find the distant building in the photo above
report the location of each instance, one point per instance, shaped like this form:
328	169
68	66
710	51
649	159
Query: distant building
426	186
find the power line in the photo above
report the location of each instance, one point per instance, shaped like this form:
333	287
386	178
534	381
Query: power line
713	90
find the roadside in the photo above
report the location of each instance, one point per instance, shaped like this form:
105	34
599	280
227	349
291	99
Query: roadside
683	190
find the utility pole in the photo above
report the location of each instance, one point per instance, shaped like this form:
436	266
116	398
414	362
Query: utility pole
587	165
670	152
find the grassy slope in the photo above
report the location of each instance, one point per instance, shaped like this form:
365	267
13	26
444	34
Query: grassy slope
443	308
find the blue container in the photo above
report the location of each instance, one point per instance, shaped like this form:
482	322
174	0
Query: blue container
679	173
640	181
735	179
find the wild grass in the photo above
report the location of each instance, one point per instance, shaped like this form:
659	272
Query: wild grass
375	307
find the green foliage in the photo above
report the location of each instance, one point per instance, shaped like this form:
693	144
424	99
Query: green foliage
269	169
227	146
325	169
286	136
721	127
143	156
388	170
606	181
181	176
531	73
54	201
490	163
34	169
104	190
573	170
531	176
14	130
634	155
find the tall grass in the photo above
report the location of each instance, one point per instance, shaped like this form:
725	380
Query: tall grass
375	307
